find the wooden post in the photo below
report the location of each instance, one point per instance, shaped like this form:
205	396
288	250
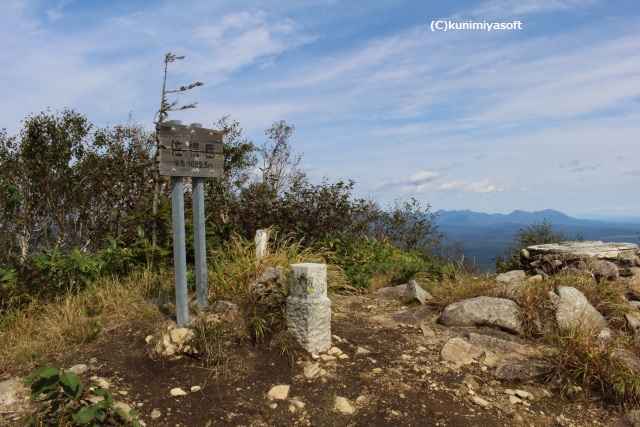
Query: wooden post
179	251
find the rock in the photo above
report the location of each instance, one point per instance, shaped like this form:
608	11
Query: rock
361	351
633	323
535	279
361	400
279	392
489	359
524	370
514	400
334	351
511	277
602	257
272	275
459	351
605	270
311	371
101	382
415	293
298	404
574	311
155	414
627	359
486	341
539	392
605	335
177	392
195	388
392	291
427	331
79	369
630	419
125	408
343	406
483	311
480	402
181	336
413	316
523	394
227	311
327	358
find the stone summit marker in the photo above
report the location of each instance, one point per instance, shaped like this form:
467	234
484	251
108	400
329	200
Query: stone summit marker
309	308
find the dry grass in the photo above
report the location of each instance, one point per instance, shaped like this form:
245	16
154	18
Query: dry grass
235	268
582	359
46	329
461	287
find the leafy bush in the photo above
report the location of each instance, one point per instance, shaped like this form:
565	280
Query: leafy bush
61	272
66	402
362	259
538	233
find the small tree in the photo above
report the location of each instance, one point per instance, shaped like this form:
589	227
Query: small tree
162	114
535	234
279	164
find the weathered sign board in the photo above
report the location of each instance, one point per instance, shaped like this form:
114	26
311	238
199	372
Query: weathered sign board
195	152
190	151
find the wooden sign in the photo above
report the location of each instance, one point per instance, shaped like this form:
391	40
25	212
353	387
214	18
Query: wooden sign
190	151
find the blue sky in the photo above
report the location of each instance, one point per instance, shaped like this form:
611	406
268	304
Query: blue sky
547	116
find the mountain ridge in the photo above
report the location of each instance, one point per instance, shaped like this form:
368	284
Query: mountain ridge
484	236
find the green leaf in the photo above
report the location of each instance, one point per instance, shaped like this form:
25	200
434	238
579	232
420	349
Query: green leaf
84	415
43	385
119	412
72	385
49	372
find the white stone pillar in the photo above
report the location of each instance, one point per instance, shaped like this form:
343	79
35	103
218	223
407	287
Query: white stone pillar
262	238
309	308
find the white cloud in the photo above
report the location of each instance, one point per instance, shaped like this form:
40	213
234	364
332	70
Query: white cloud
423	177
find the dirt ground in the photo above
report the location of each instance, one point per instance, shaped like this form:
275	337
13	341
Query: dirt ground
402	381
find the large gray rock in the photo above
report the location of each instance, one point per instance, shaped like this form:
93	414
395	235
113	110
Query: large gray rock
574	311
483	311
415	293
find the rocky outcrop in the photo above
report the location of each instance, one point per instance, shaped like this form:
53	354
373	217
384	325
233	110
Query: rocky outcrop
483	311
605	260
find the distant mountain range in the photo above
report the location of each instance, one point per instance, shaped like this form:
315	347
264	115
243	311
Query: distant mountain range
485	236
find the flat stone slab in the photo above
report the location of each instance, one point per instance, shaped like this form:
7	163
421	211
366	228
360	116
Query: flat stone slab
591	249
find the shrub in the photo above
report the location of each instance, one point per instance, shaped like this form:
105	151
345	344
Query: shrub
538	233
67	402
365	259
